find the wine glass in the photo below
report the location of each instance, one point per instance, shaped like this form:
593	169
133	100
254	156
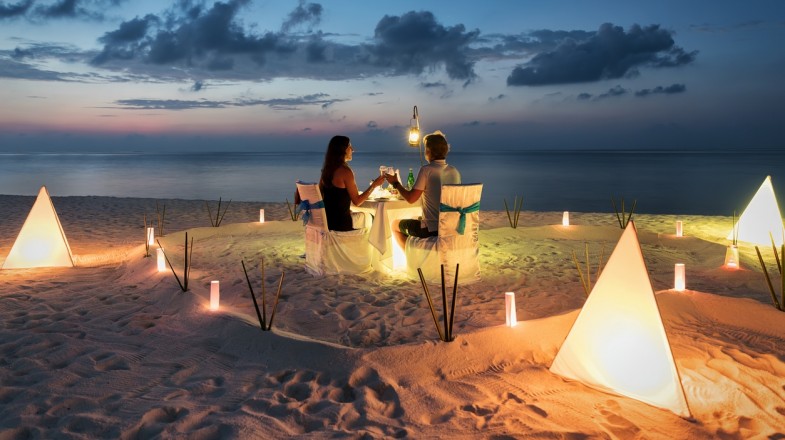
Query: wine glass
382	172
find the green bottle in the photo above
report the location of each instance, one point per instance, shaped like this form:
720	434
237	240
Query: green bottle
410	180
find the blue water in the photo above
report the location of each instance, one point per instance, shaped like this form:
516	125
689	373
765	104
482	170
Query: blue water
711	183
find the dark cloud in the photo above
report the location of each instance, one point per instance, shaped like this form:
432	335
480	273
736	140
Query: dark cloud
372	124
668	90
584	96
206	37
305	13
415	42
433	85
613	92
471	124
168	104
607	54
317	99
12	10
498	97
198	86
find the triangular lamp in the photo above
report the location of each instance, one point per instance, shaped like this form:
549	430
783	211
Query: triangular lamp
618	343
761	217
41	242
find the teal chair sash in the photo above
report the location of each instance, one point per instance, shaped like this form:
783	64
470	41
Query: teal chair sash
463	211
306	207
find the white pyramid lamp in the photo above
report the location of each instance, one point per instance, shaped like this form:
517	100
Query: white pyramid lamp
760	218
41	242
618	343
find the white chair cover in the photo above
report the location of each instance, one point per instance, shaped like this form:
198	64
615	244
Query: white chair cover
450	247
332	252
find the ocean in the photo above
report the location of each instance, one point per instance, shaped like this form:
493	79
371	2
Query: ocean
661	182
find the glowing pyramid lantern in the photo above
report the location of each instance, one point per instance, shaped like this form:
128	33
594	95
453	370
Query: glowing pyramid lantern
761	218
618	343
41	242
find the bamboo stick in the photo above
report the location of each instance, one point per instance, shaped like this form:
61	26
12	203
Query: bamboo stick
430	303
452	307
253	296
275	306
768	280
444	308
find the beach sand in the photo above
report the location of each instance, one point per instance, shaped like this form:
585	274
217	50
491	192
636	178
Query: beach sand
114	349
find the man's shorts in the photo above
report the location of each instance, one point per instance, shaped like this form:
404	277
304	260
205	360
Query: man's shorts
413	228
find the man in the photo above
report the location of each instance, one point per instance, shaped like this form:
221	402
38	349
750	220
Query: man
428	185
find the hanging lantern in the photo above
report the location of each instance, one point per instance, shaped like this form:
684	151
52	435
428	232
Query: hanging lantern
414	129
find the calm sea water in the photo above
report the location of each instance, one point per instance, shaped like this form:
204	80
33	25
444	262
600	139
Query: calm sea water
711	183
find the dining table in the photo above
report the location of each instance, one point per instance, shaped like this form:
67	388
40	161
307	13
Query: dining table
388	255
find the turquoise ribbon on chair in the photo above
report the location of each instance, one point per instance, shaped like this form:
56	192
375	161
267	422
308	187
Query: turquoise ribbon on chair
463	211
306	206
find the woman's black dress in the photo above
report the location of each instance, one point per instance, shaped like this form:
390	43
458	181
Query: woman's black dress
336	205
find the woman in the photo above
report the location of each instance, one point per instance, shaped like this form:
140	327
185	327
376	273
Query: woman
338	186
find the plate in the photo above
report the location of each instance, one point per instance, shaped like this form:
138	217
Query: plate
382	199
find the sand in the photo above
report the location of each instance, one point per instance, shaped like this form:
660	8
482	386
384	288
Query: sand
114	349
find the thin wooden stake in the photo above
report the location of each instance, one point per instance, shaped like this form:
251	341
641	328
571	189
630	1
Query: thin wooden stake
444	307
275	306
253	296
768	280
430	304
452	307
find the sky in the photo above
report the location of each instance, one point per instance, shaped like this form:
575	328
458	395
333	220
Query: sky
273	75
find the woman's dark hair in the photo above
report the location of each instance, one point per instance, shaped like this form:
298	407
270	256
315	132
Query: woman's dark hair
334	158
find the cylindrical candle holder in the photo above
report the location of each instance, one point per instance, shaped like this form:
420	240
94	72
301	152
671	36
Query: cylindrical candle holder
732	257
151	236
261	216
565	218
509	303
215	295
679	277
161	260
679	228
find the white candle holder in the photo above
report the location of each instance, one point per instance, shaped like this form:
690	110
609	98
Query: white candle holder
151	236
261	216
679	277
732	257
161	260
511	320
679	228
565	218
215	295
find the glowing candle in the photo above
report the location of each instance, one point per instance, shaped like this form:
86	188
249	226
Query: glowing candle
565	218
679	278
151	236
161	260
261	216
215	295
679	228
509	302
732	257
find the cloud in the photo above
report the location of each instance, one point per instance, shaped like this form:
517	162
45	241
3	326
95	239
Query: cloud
659	90
498	97
198	86
610	53
12	10
613	92
416	42
433	85
372	124
320	99
304	13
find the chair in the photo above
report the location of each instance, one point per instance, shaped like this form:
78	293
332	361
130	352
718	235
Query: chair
332	252
458	240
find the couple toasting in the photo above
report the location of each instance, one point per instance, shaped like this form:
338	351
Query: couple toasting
339	188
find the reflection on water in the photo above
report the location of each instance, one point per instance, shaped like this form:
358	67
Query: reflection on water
662	182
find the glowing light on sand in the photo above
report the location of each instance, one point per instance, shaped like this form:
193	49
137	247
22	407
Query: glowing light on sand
732	257
215	295
509	303
41	241
760	218
618	342
679	277
161	260
565	218
398	256
261	216
151	236
679	228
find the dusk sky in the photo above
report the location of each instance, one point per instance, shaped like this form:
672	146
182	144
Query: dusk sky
115	75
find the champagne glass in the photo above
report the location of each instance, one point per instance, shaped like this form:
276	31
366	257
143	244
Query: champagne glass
382	172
